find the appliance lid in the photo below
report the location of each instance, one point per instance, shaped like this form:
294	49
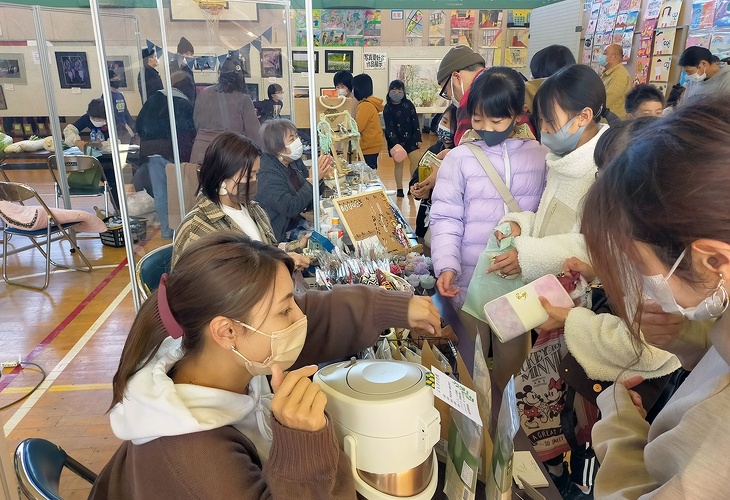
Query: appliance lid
363	379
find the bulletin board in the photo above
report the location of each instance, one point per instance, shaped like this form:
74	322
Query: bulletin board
556	24
370	214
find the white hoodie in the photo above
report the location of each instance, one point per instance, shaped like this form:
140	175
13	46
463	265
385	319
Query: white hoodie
154	406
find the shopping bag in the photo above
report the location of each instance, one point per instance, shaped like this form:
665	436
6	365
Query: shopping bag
485	287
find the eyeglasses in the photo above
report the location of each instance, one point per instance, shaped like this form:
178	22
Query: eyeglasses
443	93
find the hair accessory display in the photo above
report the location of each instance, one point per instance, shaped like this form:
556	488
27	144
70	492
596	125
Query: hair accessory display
163	308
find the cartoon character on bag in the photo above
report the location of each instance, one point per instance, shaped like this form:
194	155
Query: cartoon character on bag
555	397
529	405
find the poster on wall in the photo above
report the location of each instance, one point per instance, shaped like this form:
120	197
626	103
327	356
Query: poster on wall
669	15
515	58
73	70
720	44
617	37
372	23
490	18
621	19
518	38
491	37
664	42
627	42
635	5
660	67
122	69
632	19
371	41
613	7
436	42
414	23
271	66
653	8
624	5
642	70
703	14
647	28
699	38
518	18
12	69
644	49
593	19
332	38
492	56
587	50
437	24
300	63
722	14
463	19
374	61
337	60
419	77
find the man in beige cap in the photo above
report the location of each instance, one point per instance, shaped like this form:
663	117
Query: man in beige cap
457	71
615	78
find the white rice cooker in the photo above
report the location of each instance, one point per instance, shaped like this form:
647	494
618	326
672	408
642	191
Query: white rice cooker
385	420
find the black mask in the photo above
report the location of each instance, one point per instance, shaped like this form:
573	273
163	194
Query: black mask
493	138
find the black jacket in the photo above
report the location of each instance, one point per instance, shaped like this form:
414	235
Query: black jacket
152	81
282	202
401	125
153	126
268	109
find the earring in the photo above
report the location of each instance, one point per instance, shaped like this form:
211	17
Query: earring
719	300
222	190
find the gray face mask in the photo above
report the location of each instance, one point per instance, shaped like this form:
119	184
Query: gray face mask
562	142
396	96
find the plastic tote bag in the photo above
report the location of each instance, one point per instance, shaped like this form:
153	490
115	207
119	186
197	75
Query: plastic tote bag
485	287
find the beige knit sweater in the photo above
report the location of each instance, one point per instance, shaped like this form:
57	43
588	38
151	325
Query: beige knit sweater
684	453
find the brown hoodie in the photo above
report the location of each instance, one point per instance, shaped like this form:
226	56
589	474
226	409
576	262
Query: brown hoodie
372	139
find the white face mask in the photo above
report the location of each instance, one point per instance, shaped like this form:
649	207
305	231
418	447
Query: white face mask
342	92
456	102
296	149
657	288
696	77
98	123
278	97
286	346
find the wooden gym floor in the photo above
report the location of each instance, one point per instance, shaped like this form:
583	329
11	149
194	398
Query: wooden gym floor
75	330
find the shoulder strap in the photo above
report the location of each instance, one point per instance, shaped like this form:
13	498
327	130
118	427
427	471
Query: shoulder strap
491	172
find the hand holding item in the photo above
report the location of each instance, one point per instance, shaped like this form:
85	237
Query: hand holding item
515	231
300	261
575	264
423	315
445	284
443	154
298	403
557	316
299	244
660	329
506	264
635	397
326	165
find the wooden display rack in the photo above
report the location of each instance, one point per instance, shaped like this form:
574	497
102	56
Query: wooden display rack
338	129
371	214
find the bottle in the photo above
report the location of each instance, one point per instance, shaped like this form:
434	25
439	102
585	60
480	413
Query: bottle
336	233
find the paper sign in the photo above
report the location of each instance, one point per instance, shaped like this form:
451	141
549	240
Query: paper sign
524	467
9	86
375	61
456	395
75	90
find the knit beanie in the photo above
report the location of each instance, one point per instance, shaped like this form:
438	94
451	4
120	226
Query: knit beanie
185	46
456	59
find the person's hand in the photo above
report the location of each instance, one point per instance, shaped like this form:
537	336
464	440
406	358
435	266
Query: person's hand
557	316
506	264
635	397
300	261
660	329
421	190
326	165
445	284
577	265
515	231
299	244
423	315
443	154
80	144
298	403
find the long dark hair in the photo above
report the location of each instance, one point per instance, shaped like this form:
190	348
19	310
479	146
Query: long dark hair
223	274
573	88
655	192
499	92
231	77
228	154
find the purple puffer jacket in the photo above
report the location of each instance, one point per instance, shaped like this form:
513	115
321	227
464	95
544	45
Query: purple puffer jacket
467	207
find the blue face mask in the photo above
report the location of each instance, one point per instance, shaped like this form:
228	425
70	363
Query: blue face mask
445	134
602	60
562	142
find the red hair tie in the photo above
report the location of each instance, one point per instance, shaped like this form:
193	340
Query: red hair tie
163	308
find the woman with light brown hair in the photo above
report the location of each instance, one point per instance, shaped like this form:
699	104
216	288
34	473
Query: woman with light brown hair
656	225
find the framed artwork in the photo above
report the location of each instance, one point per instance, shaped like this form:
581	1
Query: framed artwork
336	60
419	77
185	10
122	69
299	61
253	91
301	92
73	70
3	103
328	92
12	69
205	64
271	63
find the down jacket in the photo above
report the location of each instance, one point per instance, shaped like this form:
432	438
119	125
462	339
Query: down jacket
466	206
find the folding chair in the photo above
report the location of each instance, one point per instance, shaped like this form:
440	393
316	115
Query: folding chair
38	467
151	267
80	164
18	193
